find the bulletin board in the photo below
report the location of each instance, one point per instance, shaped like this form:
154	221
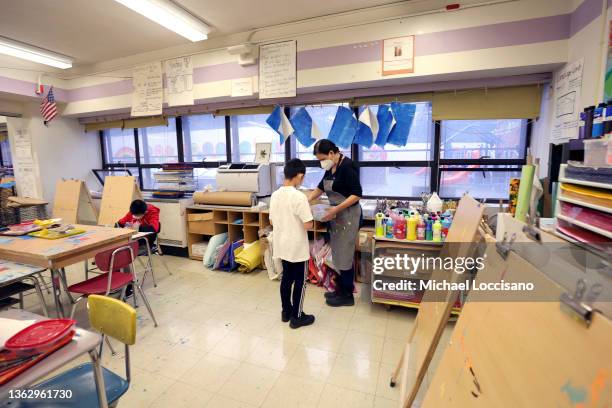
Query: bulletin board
73	203
118	194
436	306
523	354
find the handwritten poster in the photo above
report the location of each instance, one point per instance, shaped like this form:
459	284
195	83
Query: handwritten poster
277	70
242	87
179	81
398	55
25	165
148	94
568	86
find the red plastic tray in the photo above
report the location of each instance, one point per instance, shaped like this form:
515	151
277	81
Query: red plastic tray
40	335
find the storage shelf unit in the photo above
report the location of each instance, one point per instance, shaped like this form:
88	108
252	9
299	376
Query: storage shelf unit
577	223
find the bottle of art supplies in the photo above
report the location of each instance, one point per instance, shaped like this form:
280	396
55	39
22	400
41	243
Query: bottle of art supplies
446	223
598	121
437	231
399	227
429	231
389	228
608	119
420	232
380	224
582	124
412	228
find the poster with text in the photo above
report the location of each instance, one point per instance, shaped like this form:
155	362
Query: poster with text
148	93
567	91
398	55
277	70
179	81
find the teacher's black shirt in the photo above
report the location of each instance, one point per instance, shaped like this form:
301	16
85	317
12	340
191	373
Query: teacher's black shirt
346	179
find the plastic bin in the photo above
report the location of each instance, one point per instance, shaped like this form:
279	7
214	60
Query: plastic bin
598	152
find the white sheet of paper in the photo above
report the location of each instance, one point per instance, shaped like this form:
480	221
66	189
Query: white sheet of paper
316	132
277	70
567	94
148	94
369	119
242	87
179	81
286	127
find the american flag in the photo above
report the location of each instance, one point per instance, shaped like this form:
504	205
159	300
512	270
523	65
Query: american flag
48	107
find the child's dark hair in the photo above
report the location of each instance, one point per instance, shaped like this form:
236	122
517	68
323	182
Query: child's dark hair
138	207
294	167
325	146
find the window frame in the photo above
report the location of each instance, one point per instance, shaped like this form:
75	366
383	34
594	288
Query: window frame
436	164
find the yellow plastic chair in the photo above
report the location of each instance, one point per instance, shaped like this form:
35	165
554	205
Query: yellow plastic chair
112	318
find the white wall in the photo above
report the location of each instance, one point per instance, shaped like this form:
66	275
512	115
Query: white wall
62	149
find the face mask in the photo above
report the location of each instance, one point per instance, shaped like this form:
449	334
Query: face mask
327	164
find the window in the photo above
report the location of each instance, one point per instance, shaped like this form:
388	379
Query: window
158	144
395	181
204	138
420	140
119	146
323	116
475	139
246	131
480	157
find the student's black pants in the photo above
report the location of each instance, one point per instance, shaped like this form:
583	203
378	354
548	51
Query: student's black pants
345	283
149	228
294	275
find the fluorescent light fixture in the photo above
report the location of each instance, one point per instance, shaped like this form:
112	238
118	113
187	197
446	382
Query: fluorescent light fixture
35	54
171	16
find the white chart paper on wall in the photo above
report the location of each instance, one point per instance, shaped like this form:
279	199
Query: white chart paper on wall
25	166
242	87
277	70
148	94
179	81
567	94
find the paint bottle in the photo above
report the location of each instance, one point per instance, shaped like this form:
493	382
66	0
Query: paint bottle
380	224
429	231
581	124
446	223
389	228
437	231
412	228
420	232
598	121
608	120
399	227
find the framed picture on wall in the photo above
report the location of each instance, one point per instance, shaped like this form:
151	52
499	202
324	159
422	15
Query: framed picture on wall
398	55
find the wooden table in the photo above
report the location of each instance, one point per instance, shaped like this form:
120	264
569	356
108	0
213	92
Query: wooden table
59	253
83	342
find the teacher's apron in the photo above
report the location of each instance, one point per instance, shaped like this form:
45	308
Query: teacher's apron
343	229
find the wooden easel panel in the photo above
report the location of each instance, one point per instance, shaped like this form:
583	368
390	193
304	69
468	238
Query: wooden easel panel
118	194
523	354
436	306
73	203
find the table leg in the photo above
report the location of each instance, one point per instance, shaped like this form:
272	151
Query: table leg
55	282
99	378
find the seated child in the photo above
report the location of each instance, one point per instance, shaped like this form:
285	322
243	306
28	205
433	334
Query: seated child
290	217
142	217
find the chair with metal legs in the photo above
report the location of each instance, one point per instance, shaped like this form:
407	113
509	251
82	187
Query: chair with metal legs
117	267
18	288
112	318
151	249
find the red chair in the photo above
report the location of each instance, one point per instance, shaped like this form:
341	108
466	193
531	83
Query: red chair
118	272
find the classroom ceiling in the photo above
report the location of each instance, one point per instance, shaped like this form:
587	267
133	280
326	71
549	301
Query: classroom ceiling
99	30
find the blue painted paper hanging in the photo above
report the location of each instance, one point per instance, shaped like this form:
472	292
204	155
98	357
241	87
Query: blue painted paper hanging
404	116
386	122
367	128
304	128
344	128
279	122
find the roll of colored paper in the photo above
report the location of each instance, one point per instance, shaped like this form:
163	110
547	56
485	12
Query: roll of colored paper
524	193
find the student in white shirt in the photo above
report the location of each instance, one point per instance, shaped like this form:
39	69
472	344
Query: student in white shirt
291	217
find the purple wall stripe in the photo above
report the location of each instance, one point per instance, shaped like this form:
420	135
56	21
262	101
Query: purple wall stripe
100	91
531	31
339	55
221	72
586	12
17	86
609	3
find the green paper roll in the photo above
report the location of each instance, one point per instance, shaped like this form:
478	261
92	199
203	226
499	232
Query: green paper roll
524	194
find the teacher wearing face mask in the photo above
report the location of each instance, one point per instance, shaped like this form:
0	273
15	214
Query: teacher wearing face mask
343	189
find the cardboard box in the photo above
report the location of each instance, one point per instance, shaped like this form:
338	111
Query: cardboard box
198	248
201	223
364	239
207	216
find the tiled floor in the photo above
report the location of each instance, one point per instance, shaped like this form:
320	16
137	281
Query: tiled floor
221	343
